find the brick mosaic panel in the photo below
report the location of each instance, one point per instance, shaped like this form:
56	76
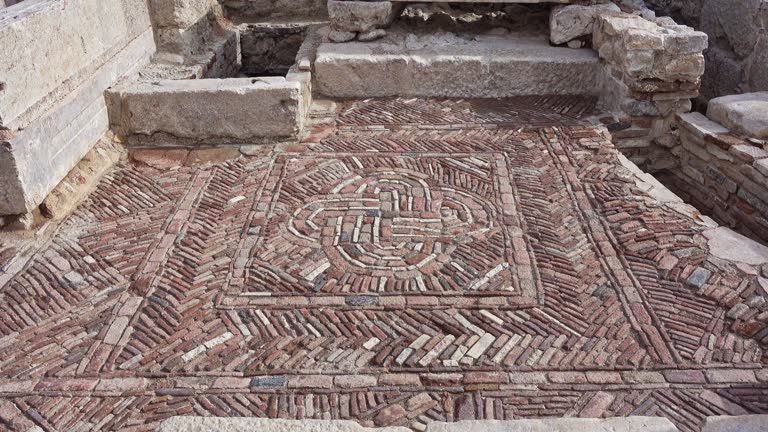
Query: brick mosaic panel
386	226
253	287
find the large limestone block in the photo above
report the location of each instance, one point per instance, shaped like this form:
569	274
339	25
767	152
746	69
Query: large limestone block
573	21
445	66
213	110
218	424
360	16
48	46
627	424
745	113
34	160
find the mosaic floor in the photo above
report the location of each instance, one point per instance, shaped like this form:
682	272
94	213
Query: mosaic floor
411	261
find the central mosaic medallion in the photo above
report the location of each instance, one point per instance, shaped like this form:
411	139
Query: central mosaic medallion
386	226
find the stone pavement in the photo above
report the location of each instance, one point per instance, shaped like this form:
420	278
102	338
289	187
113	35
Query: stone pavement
411	261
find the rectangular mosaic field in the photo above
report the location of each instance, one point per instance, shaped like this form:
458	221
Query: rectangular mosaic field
385	229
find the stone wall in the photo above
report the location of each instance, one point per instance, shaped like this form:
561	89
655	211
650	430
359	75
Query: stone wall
56	60
652	65
723	162
737	60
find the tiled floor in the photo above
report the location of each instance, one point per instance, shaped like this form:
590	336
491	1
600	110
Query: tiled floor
413	260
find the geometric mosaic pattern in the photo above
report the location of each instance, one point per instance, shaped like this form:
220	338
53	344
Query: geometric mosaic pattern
411	261
392	227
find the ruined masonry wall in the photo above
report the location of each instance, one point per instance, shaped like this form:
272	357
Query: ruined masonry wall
723	168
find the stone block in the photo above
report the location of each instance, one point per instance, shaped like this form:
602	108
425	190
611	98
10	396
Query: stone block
28	169
573	21
68	39
446	66
699	125
234	110
360	16
745	114
726	244
747	423
261	10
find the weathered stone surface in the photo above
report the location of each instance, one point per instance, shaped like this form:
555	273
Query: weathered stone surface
179	13
360	16
752	423
745	114
726	244
81	180
232	110
219	424
738	60
644	50
445	65
33	161
629	424
70	40
573	21
341	36
700	126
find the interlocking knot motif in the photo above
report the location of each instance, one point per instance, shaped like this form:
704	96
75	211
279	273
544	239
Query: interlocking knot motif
391	221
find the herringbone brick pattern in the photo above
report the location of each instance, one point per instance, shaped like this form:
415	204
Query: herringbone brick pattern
412	261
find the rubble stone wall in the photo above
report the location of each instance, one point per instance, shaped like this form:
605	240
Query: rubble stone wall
737	59
653	68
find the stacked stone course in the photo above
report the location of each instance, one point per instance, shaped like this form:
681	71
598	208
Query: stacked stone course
724	162
653	69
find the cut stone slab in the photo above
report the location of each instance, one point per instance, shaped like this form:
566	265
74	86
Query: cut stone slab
628	424
749	423
573	21
726	244
213	111
746	113
446	64
700	126
219	424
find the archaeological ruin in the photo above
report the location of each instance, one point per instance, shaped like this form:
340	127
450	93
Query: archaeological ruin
384	215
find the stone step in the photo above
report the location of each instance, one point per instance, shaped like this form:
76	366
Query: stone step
448	64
